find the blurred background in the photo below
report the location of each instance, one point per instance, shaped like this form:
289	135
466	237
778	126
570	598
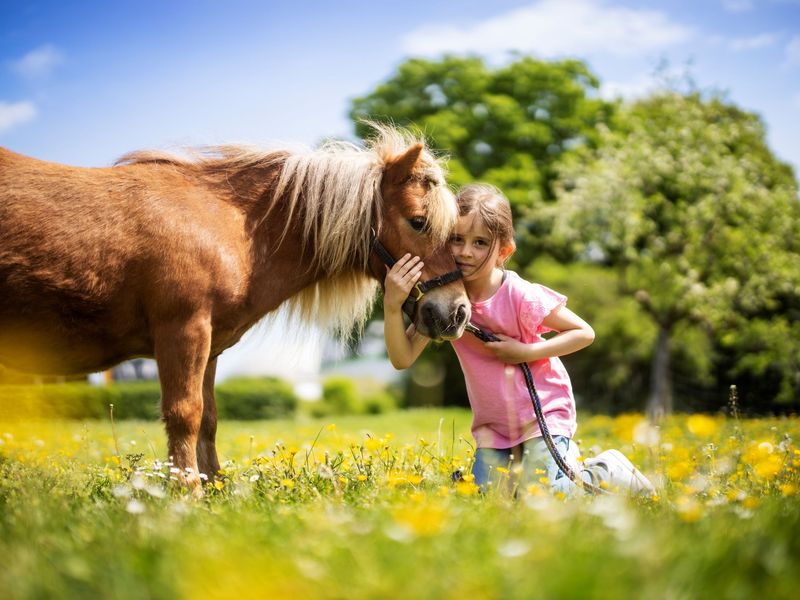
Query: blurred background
649	149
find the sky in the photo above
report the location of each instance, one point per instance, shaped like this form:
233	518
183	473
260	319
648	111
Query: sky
85	82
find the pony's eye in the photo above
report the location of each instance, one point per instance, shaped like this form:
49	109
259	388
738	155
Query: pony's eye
418	223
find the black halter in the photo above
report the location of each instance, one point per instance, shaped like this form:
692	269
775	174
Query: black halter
419	289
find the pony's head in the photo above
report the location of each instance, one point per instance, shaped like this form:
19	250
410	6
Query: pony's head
417	215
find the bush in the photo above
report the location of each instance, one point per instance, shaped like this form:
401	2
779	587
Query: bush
346	396
250	398
136	400
265	398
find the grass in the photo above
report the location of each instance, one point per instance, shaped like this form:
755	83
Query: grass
364	507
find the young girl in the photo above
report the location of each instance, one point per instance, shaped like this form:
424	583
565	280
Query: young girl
518	312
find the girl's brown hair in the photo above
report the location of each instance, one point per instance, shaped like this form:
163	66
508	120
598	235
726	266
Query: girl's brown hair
493	208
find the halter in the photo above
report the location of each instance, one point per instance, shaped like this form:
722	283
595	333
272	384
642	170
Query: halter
420	288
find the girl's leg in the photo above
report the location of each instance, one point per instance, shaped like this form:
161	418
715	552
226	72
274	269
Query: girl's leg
539	465
485	466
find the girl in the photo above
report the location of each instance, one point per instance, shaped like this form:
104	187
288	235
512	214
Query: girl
517	312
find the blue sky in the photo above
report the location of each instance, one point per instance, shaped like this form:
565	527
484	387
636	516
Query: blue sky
85	82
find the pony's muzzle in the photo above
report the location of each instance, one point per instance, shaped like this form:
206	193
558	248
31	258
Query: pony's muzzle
443	322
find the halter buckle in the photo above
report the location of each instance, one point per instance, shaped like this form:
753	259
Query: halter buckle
418	289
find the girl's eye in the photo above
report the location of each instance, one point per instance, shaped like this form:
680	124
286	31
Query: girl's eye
418	223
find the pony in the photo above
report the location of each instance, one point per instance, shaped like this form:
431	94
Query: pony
176	256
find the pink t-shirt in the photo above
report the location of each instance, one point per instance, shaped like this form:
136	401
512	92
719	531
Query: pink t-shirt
502	410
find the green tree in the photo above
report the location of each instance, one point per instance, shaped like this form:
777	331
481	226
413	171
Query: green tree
684	199
506	126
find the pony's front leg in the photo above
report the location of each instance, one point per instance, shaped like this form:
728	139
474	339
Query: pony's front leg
206	442
182	350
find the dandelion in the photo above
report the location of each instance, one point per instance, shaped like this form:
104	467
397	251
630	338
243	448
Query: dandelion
467	488
513	549
702	425
135	507
421	520
287	483
689	509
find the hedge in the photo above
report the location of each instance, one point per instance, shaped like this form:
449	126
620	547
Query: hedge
245	398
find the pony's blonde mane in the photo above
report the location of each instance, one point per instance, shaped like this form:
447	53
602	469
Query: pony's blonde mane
335	190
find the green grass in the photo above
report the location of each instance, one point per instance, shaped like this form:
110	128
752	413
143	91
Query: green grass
366	509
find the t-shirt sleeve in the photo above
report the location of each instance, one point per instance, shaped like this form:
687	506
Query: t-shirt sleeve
539	301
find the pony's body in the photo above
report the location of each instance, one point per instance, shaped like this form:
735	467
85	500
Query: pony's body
176	259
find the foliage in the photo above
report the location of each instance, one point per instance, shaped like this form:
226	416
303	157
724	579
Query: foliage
257	398
367	508
253	398
348	396
684	199
506	126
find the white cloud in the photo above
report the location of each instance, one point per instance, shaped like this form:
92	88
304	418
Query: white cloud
39	62
793	52
15	114
754	42
738	6
552	28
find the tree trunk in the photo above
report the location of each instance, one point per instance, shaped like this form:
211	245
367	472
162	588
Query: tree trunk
660	402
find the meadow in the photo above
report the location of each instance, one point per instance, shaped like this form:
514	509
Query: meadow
365	507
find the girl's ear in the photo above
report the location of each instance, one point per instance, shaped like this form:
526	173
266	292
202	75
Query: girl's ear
504	253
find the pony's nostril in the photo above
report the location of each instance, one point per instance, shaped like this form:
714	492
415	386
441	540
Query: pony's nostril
461	314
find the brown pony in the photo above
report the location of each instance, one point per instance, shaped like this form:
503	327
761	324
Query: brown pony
177	258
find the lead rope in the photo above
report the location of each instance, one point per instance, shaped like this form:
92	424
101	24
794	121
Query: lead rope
485	336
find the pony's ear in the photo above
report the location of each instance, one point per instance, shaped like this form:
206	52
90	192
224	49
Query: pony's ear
402	166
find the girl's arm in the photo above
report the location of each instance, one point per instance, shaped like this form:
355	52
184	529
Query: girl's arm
574	334
403	345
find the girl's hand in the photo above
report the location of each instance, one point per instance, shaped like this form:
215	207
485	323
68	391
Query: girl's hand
509	350
399	281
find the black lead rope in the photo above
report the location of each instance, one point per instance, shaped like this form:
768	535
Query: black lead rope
485	336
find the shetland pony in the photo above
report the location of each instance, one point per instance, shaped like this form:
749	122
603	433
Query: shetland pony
177	257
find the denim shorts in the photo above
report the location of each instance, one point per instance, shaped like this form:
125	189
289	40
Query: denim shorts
530	462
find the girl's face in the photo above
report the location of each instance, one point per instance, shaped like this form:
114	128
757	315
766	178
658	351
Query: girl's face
473	248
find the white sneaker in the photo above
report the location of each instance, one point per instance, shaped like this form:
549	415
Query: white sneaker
621	473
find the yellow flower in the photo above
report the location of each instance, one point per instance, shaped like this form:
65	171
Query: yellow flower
689	509
751	502
702	425
765	462
361	477
467	488
624	426
218	484
287	483
423	519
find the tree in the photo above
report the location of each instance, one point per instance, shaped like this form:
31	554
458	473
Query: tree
685	200
506	126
